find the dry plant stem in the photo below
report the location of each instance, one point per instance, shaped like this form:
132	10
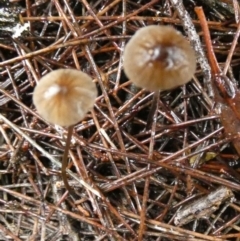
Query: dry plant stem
229	236
38	162
142	173
171	229
51	206
33	143
211	56
83	39
65	224
173	157
95	203
232	49
9	233
124	27
236	10
16	93
4	92
195	40
24	49
216	71
46	154
97	21
59	200
116	125
42	51
212	24
234	220
30	177
92	198
64	160
115	169
21	49
111	208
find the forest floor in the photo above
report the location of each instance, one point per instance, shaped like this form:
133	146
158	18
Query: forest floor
137	174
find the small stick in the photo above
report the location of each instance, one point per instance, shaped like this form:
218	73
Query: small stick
211	56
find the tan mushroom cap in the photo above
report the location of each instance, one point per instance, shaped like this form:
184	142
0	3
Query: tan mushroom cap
159	58
63	97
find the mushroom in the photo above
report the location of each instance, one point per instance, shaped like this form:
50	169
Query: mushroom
63	97
159	58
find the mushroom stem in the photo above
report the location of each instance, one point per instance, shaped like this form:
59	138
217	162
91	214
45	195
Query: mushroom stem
64	160
152	109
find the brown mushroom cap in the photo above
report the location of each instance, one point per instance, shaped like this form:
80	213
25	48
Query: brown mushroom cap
64	96
159	58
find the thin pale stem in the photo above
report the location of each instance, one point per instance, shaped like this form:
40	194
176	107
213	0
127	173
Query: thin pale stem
64	160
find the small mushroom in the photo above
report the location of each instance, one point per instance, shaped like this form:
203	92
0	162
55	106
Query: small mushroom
159	58
63	97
